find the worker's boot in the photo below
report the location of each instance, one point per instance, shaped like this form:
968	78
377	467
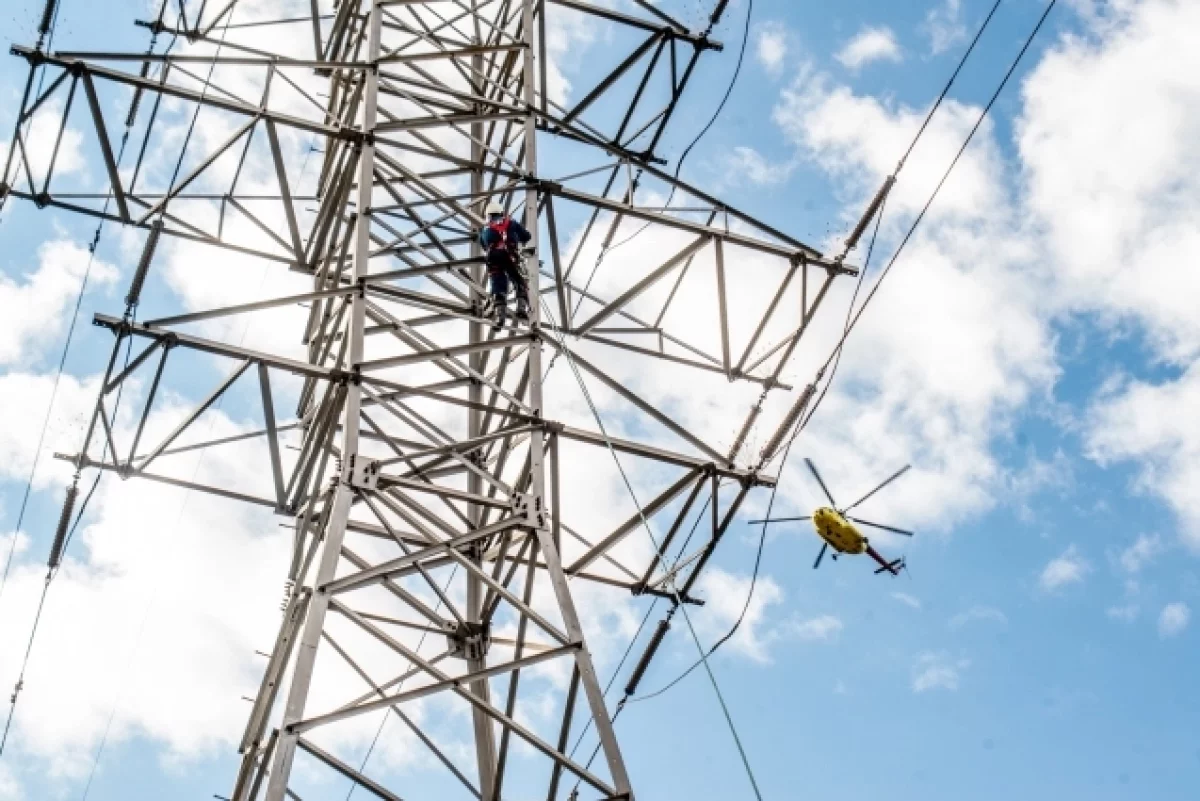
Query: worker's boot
522	315
499	312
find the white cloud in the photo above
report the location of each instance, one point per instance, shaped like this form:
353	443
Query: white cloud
25	397
1039	475
859	138
15	541
1110	258
746	165
1156	425
905	598
1173	619
1141	553
39	138
35	309
978	613
868	45
725	594
10	789
943	26
771	46
1118	255
972	262
115	576
163	589
937	671
1126	613
569	34
1067	568
141	534
817	628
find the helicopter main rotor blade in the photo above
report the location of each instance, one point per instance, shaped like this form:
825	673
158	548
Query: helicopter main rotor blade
892	529
780	520
820	554
817	476
886	481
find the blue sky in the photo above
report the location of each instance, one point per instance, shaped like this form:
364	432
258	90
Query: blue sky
1034	355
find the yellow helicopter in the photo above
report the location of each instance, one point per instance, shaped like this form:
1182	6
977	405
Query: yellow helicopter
837	528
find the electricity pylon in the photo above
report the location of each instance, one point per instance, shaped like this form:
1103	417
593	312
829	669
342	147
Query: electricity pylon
426	490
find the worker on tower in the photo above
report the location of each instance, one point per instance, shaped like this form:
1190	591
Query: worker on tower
501	239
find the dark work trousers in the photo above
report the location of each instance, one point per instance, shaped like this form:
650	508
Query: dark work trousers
503	269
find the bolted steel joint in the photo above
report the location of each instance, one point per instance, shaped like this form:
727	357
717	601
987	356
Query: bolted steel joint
529	509
363	473
469	640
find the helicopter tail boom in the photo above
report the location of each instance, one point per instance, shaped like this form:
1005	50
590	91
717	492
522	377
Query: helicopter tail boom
894	567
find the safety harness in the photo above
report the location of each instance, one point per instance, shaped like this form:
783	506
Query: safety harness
502	242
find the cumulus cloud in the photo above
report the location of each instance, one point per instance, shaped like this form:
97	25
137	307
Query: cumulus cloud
165	588
868	45
1110	258
746	165
1115	254
1142	552
25	398
1125	613
725	595
205	575
971	262
907	599
817	628
39	137
1156	426
981	614
153	555
943	26
771	46
937	671
569	34
16	542
35	308
1039	475
10	789
1067	568
1173	619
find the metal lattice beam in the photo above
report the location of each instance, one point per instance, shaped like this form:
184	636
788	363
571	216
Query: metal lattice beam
425	486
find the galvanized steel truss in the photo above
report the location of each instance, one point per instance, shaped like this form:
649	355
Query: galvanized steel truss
432	110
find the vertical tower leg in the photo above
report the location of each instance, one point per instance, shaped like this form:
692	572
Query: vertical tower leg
485	741
537	452
285	749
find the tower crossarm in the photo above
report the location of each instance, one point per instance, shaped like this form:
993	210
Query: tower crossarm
444	471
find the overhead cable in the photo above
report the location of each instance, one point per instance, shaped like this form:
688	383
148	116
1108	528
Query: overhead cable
671	586
933	196
800	423
713	20
876	210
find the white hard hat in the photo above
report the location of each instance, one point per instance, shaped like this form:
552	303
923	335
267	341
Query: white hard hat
494	208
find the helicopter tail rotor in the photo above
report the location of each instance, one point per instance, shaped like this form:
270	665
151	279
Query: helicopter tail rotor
894	567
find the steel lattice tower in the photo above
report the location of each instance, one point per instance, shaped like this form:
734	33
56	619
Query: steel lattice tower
431	110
